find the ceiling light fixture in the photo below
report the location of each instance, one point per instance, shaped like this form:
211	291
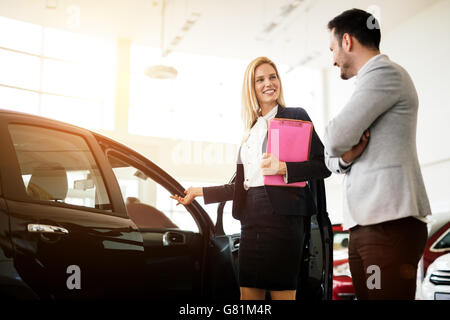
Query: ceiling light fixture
188	24
51	4
284	17
162	71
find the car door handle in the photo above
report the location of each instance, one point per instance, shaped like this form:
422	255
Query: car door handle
44	228
173	238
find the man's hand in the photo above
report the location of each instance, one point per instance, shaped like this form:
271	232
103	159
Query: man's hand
358	149
270	165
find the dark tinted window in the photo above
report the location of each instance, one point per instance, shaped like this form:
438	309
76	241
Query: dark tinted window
58	167
444	242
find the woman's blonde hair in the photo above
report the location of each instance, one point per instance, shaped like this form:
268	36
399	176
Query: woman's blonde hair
250	106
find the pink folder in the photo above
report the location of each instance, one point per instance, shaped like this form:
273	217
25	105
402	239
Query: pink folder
290	141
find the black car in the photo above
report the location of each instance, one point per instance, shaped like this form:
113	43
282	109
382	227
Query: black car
83	216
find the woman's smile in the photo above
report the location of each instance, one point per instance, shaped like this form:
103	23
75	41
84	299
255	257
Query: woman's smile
269	92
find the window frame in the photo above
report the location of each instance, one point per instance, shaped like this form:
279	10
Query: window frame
442	236
157	178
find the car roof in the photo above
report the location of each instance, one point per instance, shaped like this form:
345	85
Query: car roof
22	114
100	135
97	134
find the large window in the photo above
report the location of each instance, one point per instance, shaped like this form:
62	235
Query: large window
203	103
57	74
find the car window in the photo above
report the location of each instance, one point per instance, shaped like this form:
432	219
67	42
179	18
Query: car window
148	203
443	242
58	167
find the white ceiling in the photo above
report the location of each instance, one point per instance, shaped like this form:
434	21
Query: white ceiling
227	28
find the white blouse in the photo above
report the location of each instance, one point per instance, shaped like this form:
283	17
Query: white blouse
251	151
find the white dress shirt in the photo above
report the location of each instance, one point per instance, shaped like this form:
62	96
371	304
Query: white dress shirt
251	151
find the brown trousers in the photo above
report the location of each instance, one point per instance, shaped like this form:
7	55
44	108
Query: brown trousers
393	248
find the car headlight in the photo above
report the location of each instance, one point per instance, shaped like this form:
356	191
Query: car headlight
342	269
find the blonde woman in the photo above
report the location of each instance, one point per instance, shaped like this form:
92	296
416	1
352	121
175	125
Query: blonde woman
275	221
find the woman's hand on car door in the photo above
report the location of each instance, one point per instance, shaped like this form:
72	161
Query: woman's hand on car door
190	195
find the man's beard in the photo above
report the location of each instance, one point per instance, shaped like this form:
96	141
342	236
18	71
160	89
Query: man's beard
345	71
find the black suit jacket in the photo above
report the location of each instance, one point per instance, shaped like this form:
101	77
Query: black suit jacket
285	200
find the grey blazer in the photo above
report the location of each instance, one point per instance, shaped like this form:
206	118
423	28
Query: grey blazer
385	182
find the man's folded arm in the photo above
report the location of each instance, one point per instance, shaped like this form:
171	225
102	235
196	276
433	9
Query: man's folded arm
377	91
336	164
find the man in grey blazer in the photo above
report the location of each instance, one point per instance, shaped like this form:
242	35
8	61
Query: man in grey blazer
373	142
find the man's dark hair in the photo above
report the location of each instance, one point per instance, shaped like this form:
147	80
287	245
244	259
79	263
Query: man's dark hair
359	24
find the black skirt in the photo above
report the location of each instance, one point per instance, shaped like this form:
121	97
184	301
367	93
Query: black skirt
271	245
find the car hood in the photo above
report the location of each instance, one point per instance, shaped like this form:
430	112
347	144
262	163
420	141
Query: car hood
441	263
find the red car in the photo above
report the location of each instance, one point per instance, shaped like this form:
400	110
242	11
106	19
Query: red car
342	280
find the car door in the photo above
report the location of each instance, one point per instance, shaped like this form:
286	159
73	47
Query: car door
223	256
316	280
175	237
68	226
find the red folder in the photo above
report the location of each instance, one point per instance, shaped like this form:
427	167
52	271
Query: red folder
290	141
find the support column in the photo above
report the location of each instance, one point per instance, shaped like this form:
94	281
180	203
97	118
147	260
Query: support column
122	103
326	101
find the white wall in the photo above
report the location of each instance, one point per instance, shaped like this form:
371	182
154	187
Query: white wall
421	45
